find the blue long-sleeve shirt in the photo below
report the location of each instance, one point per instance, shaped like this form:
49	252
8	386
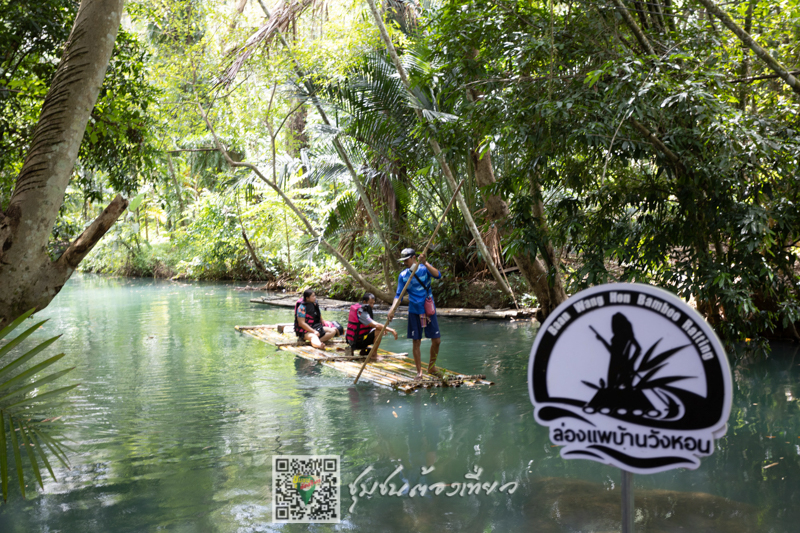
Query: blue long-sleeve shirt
416	291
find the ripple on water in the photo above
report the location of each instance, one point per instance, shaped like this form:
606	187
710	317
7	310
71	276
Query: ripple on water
178	417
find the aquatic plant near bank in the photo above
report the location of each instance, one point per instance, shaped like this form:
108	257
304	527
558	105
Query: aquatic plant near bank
22	401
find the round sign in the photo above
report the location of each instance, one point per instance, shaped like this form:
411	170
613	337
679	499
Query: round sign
629	375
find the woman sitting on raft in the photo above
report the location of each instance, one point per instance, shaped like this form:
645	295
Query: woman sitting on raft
308	324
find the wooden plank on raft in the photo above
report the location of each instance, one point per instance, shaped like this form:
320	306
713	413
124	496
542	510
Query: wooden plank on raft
461	312
392	370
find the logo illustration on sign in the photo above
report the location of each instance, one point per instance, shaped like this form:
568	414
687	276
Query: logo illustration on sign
630	375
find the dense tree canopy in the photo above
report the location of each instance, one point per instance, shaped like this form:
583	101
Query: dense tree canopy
598	141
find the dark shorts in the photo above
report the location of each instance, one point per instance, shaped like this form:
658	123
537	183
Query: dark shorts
316	327
415	328
364	341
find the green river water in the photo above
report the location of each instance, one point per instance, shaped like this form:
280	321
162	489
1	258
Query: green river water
178	416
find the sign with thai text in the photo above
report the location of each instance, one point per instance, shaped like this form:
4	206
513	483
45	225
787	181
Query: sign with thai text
630	375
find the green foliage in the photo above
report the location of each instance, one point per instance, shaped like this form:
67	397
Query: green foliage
22	404
120	137
31	37
662	169
120	134
214	243
557	99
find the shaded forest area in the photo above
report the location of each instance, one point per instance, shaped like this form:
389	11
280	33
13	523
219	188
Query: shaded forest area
307	142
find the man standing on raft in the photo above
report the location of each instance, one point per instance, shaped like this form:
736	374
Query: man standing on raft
418	290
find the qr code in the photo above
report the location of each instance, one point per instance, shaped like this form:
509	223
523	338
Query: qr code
305	489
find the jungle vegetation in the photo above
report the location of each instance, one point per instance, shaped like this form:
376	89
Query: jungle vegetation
599	140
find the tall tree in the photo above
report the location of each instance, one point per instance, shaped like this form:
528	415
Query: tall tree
439	154
30	278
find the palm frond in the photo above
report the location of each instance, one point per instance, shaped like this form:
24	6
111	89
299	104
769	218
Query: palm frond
21	399
343	215
281	17
660	358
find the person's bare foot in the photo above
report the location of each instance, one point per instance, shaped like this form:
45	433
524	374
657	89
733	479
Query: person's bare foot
419	376
432	370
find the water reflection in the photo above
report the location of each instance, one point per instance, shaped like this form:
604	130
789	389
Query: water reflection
178	416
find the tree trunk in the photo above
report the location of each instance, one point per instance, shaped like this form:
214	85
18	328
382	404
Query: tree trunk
745	70
534	271
298	138
669	16
641	14
635	29
254	256
550	275
178	190
29	277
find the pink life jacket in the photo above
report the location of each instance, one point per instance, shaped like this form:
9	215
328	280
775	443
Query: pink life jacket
355	329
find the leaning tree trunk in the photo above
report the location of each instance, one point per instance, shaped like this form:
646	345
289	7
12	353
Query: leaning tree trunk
437	151
535	272
28	276
382	295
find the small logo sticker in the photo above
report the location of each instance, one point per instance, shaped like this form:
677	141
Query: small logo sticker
305	485
630	375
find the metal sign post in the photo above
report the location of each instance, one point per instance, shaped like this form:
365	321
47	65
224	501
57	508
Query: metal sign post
627	501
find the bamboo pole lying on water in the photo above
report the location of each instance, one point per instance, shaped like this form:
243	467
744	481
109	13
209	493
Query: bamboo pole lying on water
414	267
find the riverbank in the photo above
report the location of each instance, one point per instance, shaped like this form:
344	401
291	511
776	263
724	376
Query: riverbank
470	289
289	300
448	292
161	261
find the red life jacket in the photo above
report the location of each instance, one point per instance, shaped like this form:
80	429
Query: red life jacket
355	329
313	316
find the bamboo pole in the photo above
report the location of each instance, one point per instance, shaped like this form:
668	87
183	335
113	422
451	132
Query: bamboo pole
379	334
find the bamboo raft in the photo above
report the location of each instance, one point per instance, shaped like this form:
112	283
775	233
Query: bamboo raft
394	370
340	305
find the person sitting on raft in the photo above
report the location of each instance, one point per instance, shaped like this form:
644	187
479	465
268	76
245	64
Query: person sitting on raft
308	324
361	326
